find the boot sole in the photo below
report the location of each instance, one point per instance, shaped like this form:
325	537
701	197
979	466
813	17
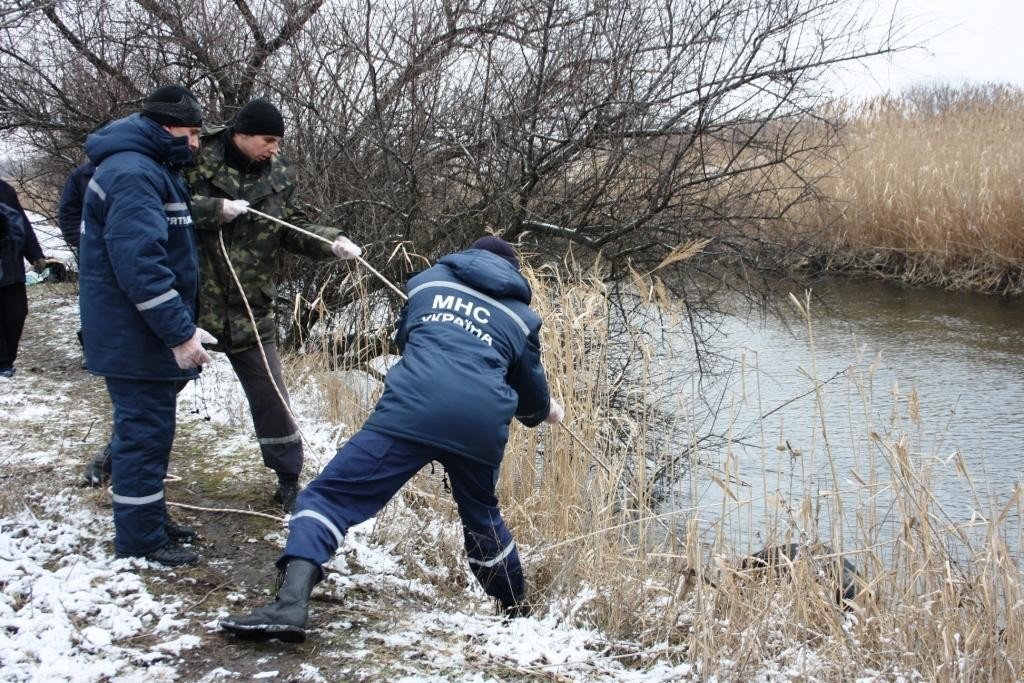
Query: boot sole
260	632
166	565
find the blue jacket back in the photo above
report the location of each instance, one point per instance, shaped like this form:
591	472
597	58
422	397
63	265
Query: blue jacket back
470	359
139	273
69	211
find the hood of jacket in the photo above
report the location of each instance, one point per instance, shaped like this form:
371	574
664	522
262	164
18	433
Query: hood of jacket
139	134
489	273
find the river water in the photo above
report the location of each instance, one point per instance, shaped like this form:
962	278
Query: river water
888	392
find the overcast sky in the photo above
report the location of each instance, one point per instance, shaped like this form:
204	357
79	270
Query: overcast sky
972	41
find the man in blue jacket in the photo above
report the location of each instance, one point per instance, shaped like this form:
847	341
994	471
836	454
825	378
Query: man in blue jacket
470	363
138	300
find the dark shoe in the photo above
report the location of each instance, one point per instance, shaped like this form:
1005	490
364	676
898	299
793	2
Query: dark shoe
97	472
170	555
285	495
7	372
517	610
179	533
285	618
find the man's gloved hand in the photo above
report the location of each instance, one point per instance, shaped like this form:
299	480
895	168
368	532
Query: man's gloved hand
231	209
344	248
556	413
191	354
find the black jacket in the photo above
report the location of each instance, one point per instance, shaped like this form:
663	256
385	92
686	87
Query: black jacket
17	239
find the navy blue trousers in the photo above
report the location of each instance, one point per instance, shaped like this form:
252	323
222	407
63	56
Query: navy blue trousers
144	421
368	471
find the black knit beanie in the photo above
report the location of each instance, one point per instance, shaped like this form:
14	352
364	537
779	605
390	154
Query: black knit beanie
259	117
499	247
173	105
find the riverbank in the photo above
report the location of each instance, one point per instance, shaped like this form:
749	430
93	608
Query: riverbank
614	603
926	189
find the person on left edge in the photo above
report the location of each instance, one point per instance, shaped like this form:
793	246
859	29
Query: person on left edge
239	166
17	243
139	298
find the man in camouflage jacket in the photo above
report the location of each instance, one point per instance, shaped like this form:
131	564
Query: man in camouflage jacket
239	167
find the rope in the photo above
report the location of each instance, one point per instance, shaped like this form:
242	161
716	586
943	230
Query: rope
170	478
259	342
231	510
359	259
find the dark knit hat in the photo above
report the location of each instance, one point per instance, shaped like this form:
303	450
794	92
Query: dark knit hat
498	247
173	105
259	117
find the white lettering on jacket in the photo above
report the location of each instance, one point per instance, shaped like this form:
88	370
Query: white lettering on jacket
473	313
468	308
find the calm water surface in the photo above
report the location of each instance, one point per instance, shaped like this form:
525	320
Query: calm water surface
941	374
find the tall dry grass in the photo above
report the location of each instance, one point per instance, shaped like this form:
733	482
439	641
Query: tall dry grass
601	548
929	189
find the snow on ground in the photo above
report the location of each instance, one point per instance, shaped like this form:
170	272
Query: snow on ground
70	611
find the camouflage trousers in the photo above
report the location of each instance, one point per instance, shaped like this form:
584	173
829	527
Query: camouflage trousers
278	436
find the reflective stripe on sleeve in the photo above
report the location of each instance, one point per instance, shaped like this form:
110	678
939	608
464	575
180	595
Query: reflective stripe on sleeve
176	206
139	500
157	300
312	514
95	187
501	556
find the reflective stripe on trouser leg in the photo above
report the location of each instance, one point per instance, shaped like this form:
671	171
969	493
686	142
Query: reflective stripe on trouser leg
492	553
144	421
358	481
278	436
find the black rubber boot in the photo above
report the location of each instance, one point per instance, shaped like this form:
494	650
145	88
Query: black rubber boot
97	472
179	533
286	493
516	610
285	618
170	555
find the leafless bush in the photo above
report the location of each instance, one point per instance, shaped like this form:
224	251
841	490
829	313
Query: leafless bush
623	129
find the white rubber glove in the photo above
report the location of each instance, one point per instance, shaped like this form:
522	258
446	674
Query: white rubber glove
231	209
344	248
556	413
191	354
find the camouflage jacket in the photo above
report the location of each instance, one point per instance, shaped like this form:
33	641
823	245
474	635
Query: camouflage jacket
254	244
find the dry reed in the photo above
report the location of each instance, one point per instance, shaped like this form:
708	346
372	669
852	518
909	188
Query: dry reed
928	190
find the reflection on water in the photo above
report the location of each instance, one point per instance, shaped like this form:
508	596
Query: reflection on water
937	378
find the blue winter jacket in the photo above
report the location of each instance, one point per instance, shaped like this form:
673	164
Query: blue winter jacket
139	273
470	359
69	212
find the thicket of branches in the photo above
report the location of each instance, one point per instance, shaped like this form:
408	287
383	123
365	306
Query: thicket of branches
624	128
